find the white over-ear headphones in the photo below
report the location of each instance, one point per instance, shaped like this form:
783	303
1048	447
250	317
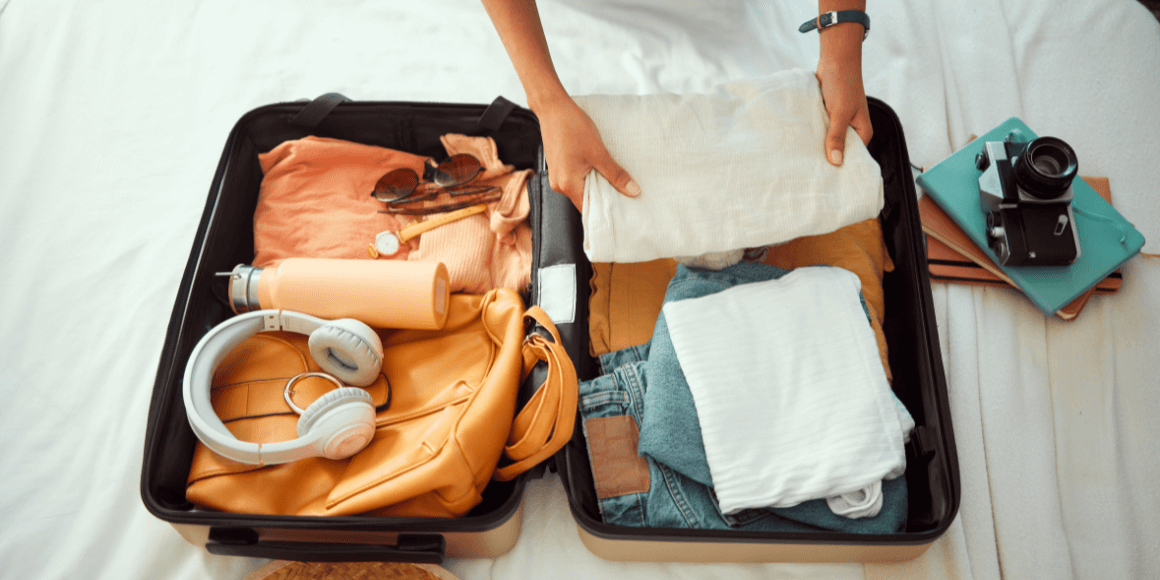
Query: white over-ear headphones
336	426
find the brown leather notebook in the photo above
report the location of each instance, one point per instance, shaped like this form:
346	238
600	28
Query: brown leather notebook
954	258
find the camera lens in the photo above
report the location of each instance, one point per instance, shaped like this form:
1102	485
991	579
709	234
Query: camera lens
1046	168
1047	164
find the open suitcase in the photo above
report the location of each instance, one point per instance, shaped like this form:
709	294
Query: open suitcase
560	274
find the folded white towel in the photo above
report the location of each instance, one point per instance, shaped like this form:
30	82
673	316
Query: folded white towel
742	166
790	392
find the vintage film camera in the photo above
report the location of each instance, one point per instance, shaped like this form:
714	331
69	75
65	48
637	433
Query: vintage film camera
1025	192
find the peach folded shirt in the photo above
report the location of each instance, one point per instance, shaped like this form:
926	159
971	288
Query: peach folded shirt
315	201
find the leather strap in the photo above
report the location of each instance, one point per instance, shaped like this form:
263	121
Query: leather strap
416	229
828	19
546	423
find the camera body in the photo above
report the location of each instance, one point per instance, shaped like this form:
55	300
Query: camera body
1025	192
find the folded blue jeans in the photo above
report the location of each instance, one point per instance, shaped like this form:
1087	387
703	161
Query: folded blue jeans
645	383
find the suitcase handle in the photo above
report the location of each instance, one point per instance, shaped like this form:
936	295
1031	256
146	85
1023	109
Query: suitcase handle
415	548
493	116
315	111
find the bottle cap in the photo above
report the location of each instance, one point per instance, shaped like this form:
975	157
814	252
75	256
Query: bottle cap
244	288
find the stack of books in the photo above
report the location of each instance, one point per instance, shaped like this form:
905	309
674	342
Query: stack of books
956	241
953	258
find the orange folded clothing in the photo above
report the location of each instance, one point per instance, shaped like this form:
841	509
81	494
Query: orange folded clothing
627	298
315	202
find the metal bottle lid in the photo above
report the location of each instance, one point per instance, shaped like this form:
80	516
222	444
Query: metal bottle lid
244	288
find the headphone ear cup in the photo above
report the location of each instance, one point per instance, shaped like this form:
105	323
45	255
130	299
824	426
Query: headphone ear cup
344	420
349	350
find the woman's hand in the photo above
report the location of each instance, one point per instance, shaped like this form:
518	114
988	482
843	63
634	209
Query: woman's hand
840	76
572	145
573	148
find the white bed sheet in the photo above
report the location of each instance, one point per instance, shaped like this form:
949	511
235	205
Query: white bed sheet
113	115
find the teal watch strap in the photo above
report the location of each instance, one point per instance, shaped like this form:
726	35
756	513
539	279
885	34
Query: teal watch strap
828	19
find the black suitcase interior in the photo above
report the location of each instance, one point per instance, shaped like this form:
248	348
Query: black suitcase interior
224	239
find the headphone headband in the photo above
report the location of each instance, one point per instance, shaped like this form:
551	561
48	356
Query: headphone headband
197	384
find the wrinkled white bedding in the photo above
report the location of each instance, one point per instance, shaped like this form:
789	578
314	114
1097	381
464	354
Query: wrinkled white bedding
113	115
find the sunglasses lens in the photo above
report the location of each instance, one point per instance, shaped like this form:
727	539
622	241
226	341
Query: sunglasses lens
396	184
459	169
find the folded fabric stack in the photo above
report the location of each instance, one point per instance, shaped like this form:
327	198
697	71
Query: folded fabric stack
761	401
739	167
759	404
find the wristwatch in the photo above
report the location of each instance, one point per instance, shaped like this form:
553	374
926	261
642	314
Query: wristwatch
828	19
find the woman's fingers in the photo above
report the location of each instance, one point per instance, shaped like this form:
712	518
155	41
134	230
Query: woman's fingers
836	135
567	184
840	119
573	148
861	124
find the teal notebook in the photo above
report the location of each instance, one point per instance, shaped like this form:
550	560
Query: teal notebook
1106	239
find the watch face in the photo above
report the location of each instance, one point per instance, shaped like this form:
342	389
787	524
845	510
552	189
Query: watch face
387	243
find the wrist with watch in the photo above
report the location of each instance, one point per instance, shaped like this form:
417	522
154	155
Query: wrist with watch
828	19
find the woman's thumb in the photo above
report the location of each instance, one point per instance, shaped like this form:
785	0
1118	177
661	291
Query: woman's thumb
836	142
618	177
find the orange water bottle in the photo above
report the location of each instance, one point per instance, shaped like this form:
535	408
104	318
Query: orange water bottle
381	293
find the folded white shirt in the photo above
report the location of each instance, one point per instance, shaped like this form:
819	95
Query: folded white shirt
790	392
867	502
742	166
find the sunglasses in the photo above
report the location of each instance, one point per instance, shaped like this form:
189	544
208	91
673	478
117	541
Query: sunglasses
404	186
